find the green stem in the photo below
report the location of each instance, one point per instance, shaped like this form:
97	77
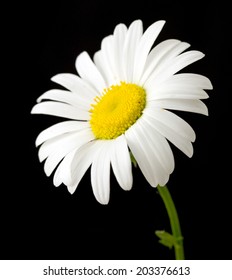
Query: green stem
174	221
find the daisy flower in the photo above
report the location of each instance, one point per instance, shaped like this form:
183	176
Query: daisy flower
118	106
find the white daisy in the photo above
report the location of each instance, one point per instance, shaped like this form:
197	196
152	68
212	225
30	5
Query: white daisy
119	105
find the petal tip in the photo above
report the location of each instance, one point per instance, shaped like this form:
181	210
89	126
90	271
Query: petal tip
103	202
33	111
162	22
54	78
71	189
210	85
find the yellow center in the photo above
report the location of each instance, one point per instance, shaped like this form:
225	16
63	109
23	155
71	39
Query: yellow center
116	110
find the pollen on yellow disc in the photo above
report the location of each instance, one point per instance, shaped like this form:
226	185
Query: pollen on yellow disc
116	110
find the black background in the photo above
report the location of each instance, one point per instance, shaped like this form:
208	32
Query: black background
39	221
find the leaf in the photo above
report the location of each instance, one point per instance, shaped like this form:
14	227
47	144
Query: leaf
166	238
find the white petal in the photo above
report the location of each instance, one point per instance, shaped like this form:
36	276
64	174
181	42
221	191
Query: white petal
181	142
52	145
103	67
67	97
173	121
89	72
177	92
106	60
158	51
184	85
75	84
161	57
138	139
119	40
100	173
133	36
160	147
121	162
144	46
186	81
57	179
60	110
155	56
59	129
172	66
82	159
63	171
188	105
65	146
183	60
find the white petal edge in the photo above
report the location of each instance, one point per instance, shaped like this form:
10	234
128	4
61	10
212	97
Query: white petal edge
119	40
173	66
60	110
142	150
184	85
59	129
75	84
161	57
144	46
155	56
186	81
173	121
63	171
182	143
100	173
106	60
68	97
52	145
133	36
81	161
65	147
121	162
188	105
177	92
89	72
160	147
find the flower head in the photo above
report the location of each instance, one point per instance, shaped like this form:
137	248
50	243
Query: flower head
119	104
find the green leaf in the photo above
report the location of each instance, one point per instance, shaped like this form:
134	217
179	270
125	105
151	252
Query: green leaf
167	239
